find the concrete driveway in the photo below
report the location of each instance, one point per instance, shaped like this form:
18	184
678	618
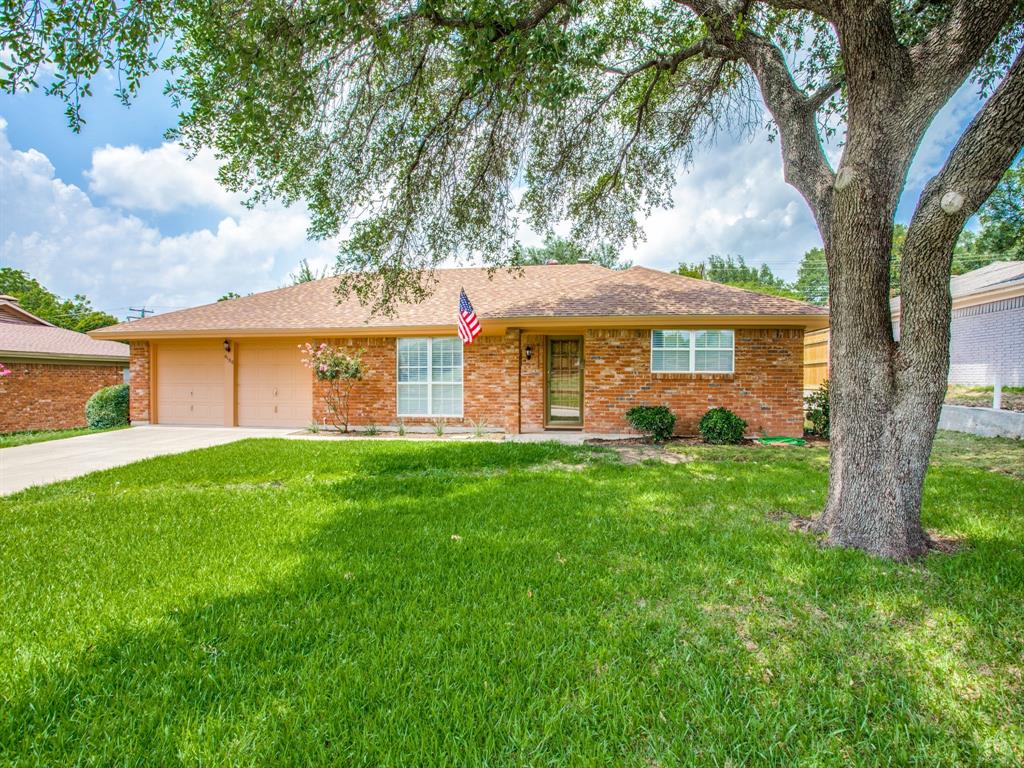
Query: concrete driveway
42	463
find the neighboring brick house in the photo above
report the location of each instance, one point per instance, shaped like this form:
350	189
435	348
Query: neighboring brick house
562	347
987	330
53	371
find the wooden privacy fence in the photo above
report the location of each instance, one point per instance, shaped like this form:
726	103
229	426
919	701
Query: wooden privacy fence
815	358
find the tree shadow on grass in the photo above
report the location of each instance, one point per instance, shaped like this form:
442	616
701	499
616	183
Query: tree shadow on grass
626	616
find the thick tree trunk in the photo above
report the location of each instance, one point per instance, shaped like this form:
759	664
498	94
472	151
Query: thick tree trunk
886	395
884	410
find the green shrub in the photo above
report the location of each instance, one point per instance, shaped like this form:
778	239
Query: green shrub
654	420
108	407
721	426
817	410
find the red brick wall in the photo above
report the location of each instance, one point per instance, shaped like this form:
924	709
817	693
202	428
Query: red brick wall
138	388
372	399
533	382
489	381
765	389
48	396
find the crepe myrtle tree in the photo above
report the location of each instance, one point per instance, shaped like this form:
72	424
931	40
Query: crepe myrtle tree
411	125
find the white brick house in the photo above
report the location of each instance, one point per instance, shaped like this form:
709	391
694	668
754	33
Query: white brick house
987	330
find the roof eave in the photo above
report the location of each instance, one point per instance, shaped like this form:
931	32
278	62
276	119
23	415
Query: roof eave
53	357
986	296
491	325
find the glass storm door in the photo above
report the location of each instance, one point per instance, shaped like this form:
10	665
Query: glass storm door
565	382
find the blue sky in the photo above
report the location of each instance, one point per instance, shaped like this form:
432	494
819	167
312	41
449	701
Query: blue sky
122	216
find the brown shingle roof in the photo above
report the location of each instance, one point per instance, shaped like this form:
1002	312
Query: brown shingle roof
48	342
22	334
555	291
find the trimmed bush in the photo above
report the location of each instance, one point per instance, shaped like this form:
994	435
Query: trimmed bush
108	407
816	410
722	427
654	420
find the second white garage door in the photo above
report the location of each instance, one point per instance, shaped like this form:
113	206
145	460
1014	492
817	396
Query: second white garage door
274	388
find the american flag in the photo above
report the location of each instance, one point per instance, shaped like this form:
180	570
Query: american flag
469	326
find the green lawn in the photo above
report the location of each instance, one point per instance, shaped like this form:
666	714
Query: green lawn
11	439
281	603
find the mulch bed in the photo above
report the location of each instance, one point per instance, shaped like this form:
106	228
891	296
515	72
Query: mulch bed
811	440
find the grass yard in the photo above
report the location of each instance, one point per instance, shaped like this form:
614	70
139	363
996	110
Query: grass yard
277	602
11	439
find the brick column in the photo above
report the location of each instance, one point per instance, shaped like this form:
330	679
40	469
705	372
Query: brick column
138	408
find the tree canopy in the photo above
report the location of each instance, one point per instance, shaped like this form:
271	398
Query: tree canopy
409	123
562	250
733	270
306	274
76	314
1001	235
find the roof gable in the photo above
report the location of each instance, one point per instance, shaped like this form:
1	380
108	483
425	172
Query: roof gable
12	312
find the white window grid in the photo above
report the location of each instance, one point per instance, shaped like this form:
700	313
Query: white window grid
688	341
441	367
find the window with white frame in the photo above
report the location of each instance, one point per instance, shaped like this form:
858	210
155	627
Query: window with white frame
692	351
430	377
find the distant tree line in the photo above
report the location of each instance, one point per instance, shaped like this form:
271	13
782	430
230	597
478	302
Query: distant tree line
1000	238
76	313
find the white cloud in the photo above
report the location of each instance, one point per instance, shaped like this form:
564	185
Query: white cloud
161	179
732	200
56	232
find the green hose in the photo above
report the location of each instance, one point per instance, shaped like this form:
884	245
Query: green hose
780	441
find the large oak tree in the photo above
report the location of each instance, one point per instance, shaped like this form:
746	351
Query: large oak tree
409	124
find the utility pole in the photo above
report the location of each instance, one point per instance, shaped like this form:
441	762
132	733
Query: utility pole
143	311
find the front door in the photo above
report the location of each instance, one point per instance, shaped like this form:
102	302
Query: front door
565	382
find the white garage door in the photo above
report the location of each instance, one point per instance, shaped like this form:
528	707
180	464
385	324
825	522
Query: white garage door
190	383
274	388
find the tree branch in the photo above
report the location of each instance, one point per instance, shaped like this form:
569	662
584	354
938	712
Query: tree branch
948	53
978	161
821	7
805	166
528	22
817	100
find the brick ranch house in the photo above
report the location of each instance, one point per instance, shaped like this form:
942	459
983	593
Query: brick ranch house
562	347
54	371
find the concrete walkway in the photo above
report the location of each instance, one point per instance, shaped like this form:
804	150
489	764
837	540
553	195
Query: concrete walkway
41	463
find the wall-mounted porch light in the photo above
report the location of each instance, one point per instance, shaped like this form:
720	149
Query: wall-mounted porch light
227	345
529	352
